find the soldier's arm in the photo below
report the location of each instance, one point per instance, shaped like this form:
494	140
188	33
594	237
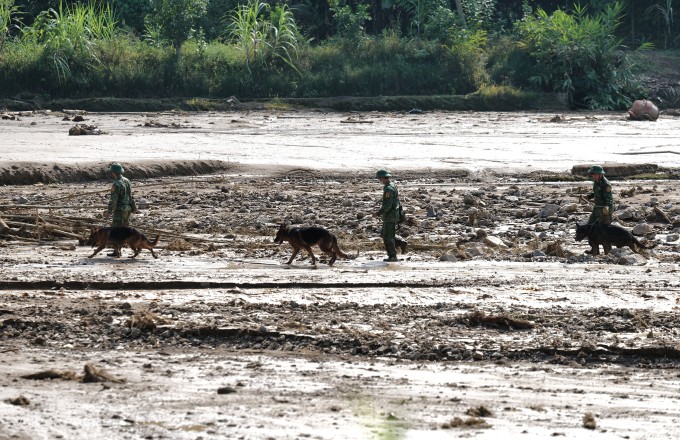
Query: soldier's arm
387	201
609	199
113	199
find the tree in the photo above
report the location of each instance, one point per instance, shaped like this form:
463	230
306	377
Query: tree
176	20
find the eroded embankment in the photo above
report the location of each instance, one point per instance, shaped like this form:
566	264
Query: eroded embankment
28	173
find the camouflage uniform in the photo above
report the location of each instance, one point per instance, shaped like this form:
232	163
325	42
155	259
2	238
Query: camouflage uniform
389	212
603	199
121	203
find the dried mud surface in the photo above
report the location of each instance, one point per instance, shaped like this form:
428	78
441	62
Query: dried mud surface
494	323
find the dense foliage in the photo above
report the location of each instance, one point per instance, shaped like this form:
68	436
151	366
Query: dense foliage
313	48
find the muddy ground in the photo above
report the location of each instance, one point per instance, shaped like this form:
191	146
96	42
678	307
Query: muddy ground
494	323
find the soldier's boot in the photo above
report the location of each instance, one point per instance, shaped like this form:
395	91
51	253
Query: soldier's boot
391	252
401	244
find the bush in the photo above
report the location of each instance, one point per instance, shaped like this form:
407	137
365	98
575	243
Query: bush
579	55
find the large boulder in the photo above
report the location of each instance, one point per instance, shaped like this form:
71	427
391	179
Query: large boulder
643	110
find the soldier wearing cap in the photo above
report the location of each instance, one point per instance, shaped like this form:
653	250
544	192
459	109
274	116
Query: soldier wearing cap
389	213
121	202
601	196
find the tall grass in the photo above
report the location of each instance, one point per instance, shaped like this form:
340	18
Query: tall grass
8	13
69	35
264	35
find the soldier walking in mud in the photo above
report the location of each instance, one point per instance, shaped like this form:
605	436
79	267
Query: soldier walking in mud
601	196
389	212
121	202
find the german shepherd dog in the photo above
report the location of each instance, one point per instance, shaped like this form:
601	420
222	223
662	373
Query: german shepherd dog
608	235
119	236
308	236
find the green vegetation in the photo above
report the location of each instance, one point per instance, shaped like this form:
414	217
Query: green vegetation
498	51
579	55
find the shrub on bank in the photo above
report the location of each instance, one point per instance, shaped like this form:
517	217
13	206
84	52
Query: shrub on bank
126	67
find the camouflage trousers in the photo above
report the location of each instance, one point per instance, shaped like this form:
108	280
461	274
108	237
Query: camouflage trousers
388	233
121	217
599	216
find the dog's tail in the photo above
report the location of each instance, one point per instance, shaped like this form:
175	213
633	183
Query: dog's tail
337	250
149	243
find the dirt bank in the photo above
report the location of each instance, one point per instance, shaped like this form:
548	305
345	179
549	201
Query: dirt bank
476	102
28	173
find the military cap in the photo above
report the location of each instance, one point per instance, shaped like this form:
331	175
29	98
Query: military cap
116	168
382	173
596	169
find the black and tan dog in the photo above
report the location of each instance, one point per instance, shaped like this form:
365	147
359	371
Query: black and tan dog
307	236
608	235
119	236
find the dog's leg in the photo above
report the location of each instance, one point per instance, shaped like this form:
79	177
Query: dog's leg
96	251
311	254
137	250
327	247
292	257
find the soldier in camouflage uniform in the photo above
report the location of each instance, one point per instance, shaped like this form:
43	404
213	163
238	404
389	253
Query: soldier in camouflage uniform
602	197
121	202
389	212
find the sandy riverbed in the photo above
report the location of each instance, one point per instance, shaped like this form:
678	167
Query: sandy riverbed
491	325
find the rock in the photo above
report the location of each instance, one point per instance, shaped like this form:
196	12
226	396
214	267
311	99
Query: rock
22	200
569	208
494	242
226	390
627	257
449	256
470	199
83	129
476	250
141	203
525	233
537	253
626	214
632	260
642	229
672	237
549	210
19	401
643	110
431	212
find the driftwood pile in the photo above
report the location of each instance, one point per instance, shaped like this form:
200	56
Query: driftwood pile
24	225
32	225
